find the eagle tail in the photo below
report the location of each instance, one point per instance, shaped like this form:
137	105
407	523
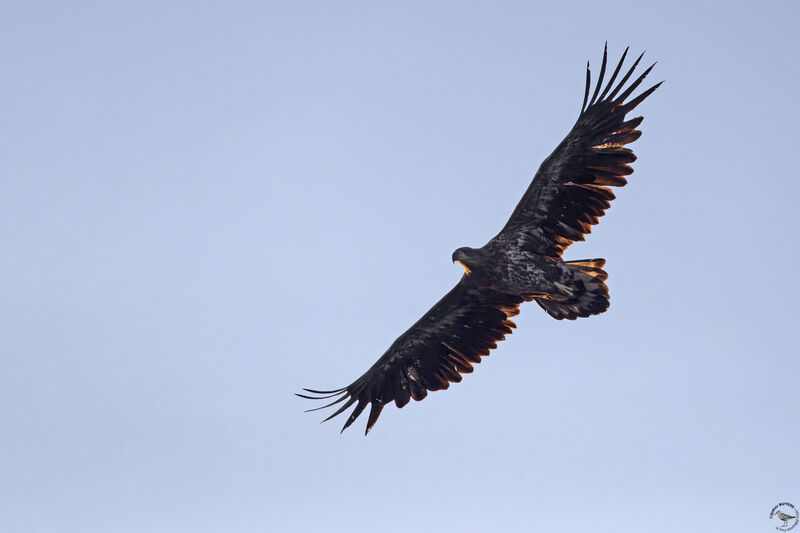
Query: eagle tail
591	299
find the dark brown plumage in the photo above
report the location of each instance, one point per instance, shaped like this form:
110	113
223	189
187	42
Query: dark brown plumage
567	196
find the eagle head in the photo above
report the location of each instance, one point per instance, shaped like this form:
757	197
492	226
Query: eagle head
469	258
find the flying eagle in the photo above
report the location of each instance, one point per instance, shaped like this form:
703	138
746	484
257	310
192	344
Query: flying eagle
568	195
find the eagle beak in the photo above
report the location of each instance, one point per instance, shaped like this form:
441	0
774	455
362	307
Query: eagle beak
466	268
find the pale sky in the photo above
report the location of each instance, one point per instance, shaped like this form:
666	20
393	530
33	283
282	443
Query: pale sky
205	207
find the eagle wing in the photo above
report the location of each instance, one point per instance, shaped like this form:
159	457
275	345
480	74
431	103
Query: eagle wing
569	192
455	333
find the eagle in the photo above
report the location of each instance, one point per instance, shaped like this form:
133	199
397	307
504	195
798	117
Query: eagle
568	195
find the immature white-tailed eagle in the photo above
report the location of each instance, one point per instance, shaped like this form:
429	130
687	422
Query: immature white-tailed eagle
523	262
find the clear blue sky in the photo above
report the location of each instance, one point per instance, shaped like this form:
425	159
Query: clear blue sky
205	207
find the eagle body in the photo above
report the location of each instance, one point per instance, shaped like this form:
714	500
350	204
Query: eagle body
503	266
568	195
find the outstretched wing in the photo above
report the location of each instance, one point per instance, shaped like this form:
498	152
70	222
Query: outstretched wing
570	190
461	328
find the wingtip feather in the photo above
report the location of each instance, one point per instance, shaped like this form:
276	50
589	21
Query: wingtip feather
600	76
625	78
614	75
588	86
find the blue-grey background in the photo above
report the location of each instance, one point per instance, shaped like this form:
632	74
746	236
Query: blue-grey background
206	206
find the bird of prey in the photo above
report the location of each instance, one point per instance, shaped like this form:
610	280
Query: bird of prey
567	196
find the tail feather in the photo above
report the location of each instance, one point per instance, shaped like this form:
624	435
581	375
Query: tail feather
591	300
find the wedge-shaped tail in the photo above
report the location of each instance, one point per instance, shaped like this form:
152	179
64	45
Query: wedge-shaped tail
591	300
